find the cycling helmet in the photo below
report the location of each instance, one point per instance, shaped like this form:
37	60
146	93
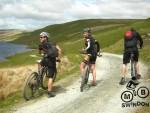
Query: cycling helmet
87	30
44	34
132	29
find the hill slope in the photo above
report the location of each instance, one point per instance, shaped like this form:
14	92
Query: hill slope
69	36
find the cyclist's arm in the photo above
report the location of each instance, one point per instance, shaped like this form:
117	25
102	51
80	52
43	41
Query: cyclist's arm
59	51
88	44
140	40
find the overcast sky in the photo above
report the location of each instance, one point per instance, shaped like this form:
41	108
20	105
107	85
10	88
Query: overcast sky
29	14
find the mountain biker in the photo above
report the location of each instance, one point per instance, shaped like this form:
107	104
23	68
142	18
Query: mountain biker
91	53
132	39
51	54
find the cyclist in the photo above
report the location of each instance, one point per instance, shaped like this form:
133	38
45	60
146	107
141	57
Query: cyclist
51	53
131	40
91	53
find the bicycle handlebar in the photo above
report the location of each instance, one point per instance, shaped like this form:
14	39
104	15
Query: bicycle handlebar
84	52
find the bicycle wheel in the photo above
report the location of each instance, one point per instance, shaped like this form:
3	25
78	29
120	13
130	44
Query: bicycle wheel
44	78
85	77
87	74
31	86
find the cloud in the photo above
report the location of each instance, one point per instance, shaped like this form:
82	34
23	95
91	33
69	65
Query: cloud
112	9
24	14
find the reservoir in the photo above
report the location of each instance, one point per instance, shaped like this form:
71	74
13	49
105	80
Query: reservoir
9	49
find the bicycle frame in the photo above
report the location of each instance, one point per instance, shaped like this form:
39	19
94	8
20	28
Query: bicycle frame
40	68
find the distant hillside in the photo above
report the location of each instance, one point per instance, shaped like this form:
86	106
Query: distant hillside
5	34
108	32
71	31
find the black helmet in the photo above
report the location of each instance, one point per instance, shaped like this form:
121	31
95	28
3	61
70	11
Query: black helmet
87	30
132	29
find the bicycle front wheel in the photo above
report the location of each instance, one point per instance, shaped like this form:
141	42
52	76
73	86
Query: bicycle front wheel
85	77
31	86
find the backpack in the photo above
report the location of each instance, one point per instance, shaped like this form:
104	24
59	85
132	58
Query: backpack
128	35
130	39
97	46
52	51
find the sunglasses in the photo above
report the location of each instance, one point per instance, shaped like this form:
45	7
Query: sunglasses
42	37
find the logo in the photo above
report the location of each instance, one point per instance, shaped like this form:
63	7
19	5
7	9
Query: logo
143	92
128	95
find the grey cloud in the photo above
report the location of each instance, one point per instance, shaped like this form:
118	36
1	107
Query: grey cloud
37	13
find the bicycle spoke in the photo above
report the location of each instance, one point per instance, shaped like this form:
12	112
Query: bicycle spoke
31	86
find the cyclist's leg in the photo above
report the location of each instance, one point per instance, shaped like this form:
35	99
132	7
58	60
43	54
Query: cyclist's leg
126	60
137	67
123	70
51	72
93	68
136	56
50	84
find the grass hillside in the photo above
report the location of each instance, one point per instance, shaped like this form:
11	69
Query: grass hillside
69	36
5	34
71	31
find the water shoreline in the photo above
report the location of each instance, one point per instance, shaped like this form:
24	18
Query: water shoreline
8	49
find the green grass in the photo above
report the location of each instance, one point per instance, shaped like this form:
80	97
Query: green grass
8	103
19	59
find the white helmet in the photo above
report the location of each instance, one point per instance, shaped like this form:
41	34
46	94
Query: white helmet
44	34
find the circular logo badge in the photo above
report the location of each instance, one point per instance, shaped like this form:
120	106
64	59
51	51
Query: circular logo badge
127	96
143	92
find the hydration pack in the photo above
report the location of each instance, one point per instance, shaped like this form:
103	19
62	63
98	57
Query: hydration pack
50	49
130	39
97	46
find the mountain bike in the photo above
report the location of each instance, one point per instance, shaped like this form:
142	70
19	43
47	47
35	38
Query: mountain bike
36	81
85	73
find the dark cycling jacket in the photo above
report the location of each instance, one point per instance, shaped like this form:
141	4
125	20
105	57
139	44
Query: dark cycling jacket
136	39
47	60
91	48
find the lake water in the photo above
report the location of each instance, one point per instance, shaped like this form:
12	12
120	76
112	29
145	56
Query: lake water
9	49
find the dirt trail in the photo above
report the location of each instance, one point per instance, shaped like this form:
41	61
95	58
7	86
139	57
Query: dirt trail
104	98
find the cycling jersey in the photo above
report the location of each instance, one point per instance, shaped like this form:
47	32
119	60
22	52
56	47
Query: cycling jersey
47	60
90	46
